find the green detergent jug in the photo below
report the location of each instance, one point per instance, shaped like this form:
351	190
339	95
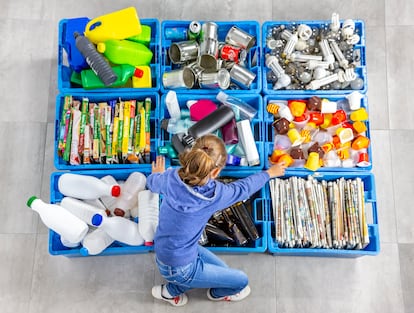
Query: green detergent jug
124	72
125	52
144	37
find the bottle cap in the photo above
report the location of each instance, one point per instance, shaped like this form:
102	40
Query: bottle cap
222	96
101	47
97	219
138	72
83	251
148	243
119	212
116	191
30	201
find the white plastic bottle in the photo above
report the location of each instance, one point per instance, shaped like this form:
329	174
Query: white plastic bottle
148	213
81	209
85	187
95	242
108	201
71	228
241	109
119	228
246	138
135	183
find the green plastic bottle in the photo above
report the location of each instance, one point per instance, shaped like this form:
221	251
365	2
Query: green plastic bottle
125	52
144	37
124	72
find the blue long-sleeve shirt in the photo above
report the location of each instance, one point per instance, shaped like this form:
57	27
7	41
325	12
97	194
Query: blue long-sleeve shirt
185	210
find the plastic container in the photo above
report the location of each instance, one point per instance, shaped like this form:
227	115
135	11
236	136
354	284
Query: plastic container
116	248
125	52
69	226
95	242
253	100
252	63
65	69
148	212
86	187
373	247
270	131
359	49
61	164
81	209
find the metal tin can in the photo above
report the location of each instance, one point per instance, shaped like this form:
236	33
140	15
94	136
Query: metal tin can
183	51
240	38
182	78
215	80
194	30
242	75
209	54
230	53
176	33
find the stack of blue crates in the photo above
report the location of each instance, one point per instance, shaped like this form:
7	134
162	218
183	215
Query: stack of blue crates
258	94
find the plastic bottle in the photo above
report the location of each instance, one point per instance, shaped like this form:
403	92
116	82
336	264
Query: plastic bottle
108	201
124	72
125	52
80	209
71	228
135	183
144	37
148	213
247	140
242	110
115	25
96	61
201	108
85	187
95	242
173	126
119	228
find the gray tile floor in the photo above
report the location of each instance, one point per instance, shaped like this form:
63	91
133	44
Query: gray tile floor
33	281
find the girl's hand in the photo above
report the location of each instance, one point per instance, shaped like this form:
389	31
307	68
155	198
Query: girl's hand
276	170
158	166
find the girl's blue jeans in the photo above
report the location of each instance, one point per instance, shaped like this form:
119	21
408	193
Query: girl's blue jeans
207	271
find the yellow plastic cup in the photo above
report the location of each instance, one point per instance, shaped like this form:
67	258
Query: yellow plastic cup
359	115
120	24
312	163
295	137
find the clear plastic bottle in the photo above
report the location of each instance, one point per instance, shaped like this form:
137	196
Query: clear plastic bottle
95	242
81	209
242	110
85	187
173	126
135	183
71	228
96	61
246	138
148	213
119	228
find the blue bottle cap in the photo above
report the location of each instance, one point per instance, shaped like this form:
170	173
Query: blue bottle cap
97	220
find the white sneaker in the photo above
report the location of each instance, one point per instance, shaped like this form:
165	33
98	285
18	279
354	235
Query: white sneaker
174	301
237	297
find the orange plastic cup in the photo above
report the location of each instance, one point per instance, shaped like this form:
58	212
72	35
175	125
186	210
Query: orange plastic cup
360	142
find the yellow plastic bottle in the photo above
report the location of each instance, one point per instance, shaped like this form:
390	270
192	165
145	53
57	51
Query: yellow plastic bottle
145	81
116	25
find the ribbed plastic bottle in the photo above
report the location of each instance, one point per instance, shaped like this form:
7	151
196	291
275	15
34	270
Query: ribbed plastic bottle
119	228
60	220
125	52
81	209
246	138
85	187
242	110
95	242
96	61
135	183
124	72
148	213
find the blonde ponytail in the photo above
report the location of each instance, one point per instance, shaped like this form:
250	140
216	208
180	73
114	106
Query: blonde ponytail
208	153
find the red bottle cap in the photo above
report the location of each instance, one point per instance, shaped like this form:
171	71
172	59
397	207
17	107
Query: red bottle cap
116	191
148	243
138	73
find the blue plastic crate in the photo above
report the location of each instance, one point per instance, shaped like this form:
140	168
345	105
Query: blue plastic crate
259	216
373	247
65	71
253	60
61	164
359	48
270	132
255	100
116	248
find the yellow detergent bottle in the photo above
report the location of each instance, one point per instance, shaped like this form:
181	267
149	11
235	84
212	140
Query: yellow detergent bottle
116	25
